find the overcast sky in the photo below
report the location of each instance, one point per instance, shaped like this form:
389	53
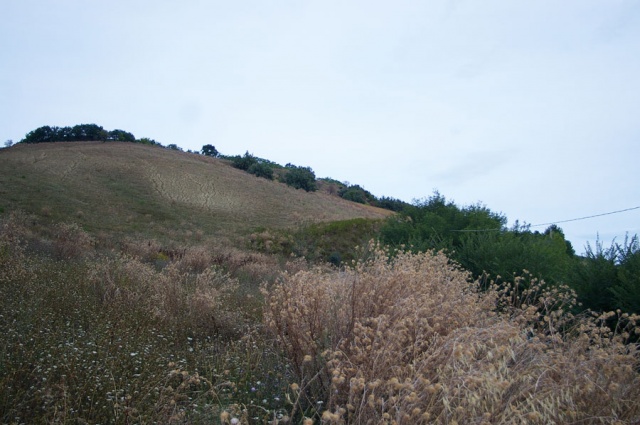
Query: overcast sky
530	107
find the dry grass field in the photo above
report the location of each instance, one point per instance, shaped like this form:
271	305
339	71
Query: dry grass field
127	187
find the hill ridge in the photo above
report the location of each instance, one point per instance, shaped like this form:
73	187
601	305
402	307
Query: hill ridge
128	187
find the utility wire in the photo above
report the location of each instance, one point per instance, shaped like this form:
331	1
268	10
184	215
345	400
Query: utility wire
584	218
553	222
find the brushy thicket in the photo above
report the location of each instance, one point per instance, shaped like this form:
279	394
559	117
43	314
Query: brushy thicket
145	333
410	339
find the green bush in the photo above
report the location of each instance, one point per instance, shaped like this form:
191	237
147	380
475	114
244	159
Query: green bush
260	169
355	193
626	293
505	254
336	242
244	162
609	278
436	223
300	177
391	204
121	136
209	150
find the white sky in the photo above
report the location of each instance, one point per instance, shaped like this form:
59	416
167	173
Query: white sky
530	107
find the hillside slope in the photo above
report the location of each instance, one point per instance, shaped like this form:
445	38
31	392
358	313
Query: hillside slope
125	187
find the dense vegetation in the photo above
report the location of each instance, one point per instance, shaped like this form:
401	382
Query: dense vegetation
477	239
81	133
447	316
138	333
301	177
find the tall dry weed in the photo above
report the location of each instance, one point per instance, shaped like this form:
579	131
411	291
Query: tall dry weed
193	302
14	264
410	339
71	241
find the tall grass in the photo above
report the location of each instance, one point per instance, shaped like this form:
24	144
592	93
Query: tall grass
159	333
410	339
91	337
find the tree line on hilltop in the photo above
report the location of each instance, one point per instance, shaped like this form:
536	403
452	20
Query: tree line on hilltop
82	133
299	177
302	177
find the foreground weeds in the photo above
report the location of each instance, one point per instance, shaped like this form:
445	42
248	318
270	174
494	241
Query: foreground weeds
109	338
409	339
148	334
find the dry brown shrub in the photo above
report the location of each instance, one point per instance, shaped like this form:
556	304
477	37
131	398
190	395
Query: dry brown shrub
71	241
145	250
196	259
409	339
122	281
194	302
202	301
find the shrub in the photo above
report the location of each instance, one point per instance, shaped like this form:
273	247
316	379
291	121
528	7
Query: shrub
355	193
70	241
244	162
391	204
608	278
627	292
410	339
300	178
260	169
121	136
209	150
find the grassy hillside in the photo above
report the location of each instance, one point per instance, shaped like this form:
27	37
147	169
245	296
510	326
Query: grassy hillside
133	188
149	313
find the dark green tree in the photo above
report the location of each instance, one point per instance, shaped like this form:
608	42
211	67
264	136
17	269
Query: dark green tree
261	169
210	150
507	253
42	134
594	275
244	162
88	132
391	204
121	136
626	293
77	133
435	223
300	177
355	193
148	141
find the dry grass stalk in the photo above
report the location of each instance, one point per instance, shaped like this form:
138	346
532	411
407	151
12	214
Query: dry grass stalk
410	339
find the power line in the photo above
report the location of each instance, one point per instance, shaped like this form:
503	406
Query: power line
478	230
584	218
553	222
